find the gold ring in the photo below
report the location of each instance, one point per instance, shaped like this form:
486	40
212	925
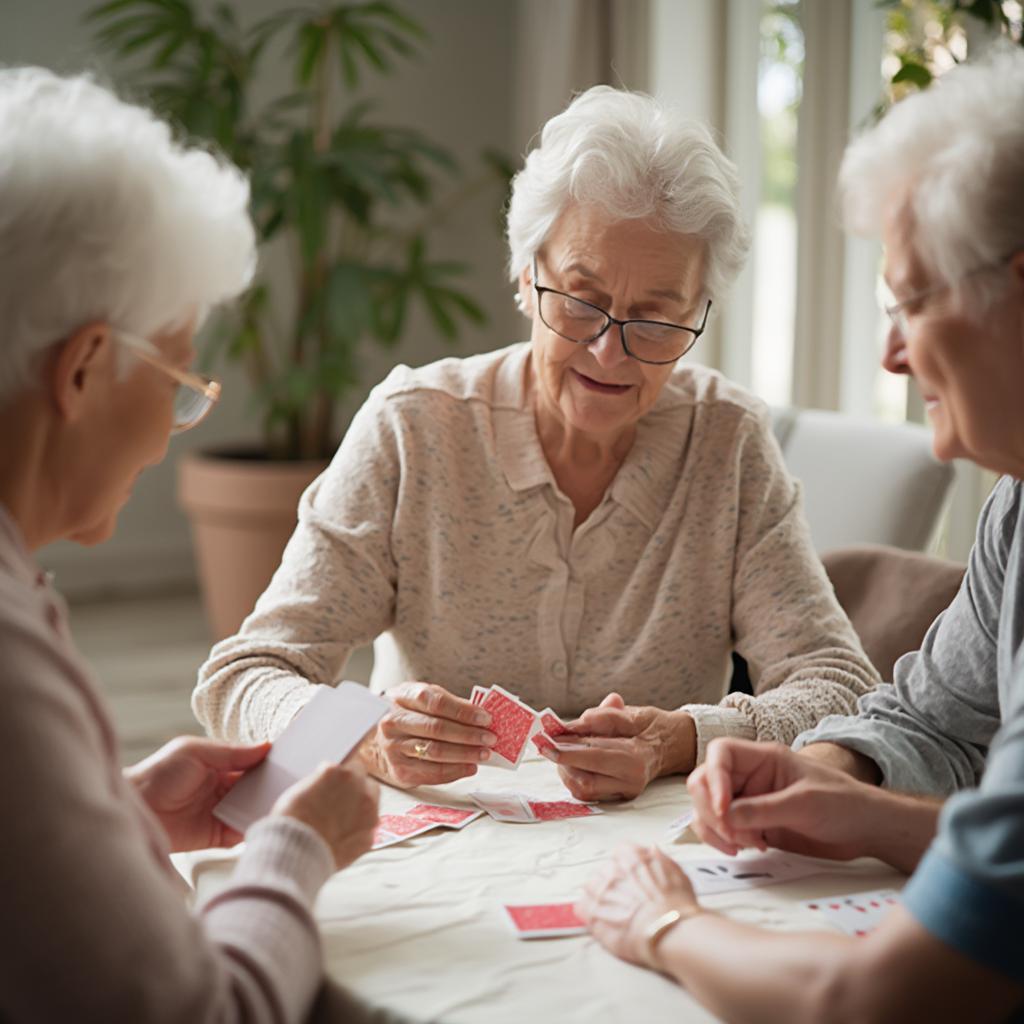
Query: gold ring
420	749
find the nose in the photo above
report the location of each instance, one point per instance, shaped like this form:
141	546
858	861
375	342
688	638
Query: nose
894	359
608	349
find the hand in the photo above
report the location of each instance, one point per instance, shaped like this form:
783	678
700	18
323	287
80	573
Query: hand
429	737
340	802
763	794
620	903
615	751
185	779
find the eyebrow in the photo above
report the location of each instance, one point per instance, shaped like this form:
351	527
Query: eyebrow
659	293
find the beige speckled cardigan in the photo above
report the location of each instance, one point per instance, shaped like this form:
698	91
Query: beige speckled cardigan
439	524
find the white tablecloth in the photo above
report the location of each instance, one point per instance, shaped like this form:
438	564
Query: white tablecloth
418	928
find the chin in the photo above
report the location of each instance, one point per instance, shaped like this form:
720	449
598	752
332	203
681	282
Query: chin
97	533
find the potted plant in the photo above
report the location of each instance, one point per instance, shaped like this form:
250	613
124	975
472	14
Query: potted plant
328	183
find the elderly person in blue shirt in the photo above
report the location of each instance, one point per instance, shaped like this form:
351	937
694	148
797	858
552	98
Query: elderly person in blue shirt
940	177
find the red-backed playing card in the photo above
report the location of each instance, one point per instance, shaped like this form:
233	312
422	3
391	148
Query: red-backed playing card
446	817
544	920
552	724
394	828
512	722
555	810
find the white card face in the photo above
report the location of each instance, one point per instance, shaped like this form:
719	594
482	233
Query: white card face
746	871
677	827
328	729
858	914
504	806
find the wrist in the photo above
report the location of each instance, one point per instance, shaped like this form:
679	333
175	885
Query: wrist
852	762
678	749
658	929
901	828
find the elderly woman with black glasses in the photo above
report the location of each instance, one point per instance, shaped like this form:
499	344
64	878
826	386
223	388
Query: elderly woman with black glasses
581	519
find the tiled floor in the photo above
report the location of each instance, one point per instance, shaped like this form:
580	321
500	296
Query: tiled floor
145	653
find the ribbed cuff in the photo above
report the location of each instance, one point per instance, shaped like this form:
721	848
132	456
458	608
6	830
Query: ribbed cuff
714	720
287	854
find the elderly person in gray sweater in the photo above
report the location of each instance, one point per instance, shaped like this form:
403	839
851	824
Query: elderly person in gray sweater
940	178
584	519
114	241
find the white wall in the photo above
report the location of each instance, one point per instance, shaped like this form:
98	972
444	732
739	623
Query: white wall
459	93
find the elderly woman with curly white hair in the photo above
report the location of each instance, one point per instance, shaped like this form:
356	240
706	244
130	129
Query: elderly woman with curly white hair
583	519
114	242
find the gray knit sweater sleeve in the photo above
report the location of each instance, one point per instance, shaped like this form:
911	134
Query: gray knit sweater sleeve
930	730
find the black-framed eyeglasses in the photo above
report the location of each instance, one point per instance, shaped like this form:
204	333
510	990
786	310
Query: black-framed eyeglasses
648	341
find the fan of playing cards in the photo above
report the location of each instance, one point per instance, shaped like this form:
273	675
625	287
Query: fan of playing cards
514	723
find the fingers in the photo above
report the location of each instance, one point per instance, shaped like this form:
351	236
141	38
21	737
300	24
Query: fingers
589	787
436	702
408	772
223	756
787	809
444	753
706	823
607	721
613	700
399	724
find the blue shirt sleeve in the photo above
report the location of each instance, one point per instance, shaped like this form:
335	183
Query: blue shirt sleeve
968	890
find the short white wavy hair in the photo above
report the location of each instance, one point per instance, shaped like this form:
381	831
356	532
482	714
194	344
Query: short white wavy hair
635	158
955	154
105	217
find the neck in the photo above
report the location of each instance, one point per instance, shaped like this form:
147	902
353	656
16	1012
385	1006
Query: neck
25	487
564	445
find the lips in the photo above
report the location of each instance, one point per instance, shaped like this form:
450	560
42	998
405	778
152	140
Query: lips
601	387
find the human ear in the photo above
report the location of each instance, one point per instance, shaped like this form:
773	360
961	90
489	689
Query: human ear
525	295
79	364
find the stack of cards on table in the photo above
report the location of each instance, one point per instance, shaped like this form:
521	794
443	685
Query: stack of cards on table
516	807
395	828
544	920
327	729
514	723
855	915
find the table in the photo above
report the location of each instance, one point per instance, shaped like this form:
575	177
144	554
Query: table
418	928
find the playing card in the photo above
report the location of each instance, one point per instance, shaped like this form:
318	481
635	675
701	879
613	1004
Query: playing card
544	920
746	871
677	827
327	729
512	722
857	914
478	693
446	817
504	806
552	724
396	828
555	810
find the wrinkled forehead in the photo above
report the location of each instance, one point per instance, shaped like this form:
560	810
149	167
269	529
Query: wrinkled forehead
904	268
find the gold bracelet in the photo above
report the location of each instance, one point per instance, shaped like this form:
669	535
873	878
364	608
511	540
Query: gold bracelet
656	930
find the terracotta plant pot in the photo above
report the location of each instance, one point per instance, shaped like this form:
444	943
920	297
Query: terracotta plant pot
242	509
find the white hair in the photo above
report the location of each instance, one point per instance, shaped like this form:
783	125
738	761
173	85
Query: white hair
105	217
633	157
955	155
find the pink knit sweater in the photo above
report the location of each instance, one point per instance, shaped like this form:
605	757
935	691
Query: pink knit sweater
94	913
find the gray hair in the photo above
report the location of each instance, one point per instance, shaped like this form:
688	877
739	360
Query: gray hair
627	153
105	217
955	154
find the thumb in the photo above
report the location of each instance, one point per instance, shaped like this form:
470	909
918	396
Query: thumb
784	808
613	700
229	757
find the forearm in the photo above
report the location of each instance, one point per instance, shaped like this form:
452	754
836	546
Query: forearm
904	827
855	764
784	977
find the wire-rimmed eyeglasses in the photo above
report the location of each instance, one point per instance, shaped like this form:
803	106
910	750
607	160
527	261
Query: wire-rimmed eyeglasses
195	395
